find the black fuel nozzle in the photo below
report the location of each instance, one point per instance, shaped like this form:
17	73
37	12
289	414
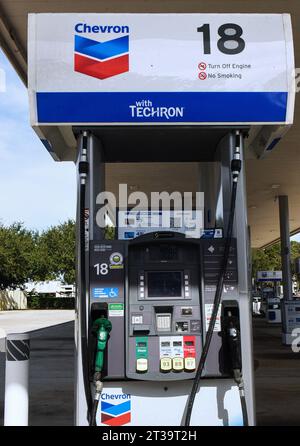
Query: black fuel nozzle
232	334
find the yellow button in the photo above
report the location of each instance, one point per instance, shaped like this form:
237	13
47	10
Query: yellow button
142	365
190	364
165	364
178	364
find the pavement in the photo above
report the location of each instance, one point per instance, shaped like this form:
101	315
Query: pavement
27	321
51	377
30	320
277	377
51	373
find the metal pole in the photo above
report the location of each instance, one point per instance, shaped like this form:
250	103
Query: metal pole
244	265
16	380
285	247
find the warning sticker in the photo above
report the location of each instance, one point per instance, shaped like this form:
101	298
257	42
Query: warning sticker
208	312
115	310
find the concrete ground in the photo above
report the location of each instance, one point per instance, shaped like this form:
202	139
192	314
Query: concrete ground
52	377
51	362
29	320
277	377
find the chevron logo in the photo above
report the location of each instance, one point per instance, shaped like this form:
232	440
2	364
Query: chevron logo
115	414
101	59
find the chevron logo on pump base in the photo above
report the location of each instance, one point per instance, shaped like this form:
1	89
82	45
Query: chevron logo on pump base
115	414
101	59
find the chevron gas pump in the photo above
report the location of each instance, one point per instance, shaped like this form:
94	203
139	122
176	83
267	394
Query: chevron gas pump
163	317
164	314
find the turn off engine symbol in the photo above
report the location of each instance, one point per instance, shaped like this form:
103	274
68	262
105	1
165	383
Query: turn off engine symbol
202	67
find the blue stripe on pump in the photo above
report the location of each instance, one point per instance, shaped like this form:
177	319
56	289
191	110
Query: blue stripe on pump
198	107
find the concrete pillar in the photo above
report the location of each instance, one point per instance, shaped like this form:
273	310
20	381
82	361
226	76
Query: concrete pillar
16	401
285	247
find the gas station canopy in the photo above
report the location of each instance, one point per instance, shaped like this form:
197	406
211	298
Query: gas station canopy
273	175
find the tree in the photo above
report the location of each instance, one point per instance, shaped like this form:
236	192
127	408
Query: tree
56	253
27	255
295	252
17	255
269	259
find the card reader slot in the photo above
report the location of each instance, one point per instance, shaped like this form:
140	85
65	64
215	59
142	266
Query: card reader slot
141	331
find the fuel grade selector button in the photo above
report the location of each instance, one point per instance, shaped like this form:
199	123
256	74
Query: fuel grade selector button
178	364
142	365
166	364
189	364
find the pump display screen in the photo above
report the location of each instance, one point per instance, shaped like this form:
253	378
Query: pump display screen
164	284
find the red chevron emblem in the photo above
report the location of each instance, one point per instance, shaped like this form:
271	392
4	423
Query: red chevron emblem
116	421
101	69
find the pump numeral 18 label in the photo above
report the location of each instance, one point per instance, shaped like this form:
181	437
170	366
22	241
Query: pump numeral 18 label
230	41
101	269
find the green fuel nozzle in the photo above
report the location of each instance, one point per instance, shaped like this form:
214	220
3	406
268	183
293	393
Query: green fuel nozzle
101	327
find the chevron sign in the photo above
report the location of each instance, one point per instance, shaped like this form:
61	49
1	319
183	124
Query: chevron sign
116	414
101	59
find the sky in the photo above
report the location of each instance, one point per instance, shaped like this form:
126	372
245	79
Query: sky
34	189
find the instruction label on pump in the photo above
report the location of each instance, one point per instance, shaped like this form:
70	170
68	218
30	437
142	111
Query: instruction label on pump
189	346
177	347
165	347
208	313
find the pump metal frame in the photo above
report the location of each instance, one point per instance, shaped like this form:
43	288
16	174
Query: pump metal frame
96	183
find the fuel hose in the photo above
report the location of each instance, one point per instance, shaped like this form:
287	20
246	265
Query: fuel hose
235	170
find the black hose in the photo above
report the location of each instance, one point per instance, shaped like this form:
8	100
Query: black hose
97	394
82	302
94	413
216	304
244	410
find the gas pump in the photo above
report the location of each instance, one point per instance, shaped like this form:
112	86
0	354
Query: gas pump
163	319
168	308
270	295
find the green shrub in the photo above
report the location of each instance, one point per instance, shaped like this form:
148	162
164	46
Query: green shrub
42	302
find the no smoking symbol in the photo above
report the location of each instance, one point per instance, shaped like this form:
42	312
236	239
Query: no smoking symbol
202	76
202	66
